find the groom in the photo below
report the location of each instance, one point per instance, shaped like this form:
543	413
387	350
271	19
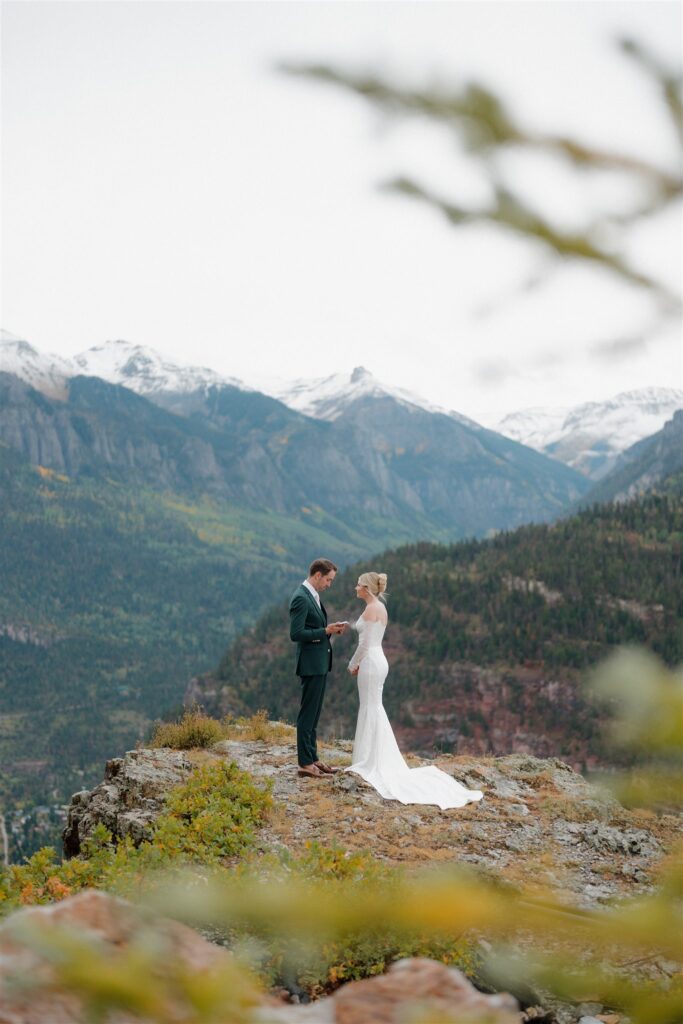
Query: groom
309	630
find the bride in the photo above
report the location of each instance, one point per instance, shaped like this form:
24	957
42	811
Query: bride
376	756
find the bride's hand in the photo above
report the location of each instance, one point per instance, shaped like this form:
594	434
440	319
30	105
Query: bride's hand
355	671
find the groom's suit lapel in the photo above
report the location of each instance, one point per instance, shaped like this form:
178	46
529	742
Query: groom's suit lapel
320	610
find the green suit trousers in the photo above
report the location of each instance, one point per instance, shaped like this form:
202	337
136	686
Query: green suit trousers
312	696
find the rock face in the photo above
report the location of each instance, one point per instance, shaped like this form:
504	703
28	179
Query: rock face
428	471
129	799
28	994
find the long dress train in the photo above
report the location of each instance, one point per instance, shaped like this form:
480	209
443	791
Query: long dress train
376	756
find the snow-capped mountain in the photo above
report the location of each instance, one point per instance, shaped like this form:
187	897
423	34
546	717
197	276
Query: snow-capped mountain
587	437
591	436
327	398
45	373
149	373
145	370
137	367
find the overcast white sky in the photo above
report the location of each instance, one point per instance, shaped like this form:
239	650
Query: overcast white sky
162	183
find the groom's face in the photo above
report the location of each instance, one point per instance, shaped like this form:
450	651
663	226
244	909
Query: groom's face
321	582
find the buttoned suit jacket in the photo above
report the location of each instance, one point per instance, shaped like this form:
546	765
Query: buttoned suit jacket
307	624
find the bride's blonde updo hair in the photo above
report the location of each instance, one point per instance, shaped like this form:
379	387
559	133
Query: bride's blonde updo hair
376	582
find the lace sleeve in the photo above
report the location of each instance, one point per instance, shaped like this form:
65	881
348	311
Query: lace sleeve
361	650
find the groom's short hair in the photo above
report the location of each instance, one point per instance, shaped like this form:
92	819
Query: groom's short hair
323	565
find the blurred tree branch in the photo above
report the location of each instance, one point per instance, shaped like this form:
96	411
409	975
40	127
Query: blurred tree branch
487	128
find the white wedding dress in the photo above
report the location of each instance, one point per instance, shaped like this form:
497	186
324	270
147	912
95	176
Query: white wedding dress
376	756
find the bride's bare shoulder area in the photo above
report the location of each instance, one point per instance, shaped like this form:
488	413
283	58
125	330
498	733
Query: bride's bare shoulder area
374	615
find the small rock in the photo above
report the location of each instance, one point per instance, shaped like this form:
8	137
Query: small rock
507	788
634	872
515	843
630	841
522	839
433	987
346	782
518	809
598	893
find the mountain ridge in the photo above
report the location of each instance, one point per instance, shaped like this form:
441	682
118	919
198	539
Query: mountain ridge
643	466
592	436
588	437
426	472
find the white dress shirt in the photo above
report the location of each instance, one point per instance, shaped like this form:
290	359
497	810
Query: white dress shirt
313	591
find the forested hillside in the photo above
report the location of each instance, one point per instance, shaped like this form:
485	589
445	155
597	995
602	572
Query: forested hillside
488	640
110	598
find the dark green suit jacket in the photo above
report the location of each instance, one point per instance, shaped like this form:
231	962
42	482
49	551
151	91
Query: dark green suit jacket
307	629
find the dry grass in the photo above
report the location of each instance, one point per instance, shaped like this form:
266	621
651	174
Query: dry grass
258	727
194	729
542	780
560	807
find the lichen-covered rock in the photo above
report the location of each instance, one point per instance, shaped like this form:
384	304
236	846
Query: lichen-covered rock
128	800
630	842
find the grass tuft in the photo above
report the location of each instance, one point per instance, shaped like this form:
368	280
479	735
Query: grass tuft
194	729
197	729
258	727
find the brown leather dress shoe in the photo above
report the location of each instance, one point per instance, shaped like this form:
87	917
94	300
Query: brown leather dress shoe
311	771
325	768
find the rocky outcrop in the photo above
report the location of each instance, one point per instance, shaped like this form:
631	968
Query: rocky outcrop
539	822
539	819
128	800
540	826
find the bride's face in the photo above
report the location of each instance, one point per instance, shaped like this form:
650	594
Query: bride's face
362	591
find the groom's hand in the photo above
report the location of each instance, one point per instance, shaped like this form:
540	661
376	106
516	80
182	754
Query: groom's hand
334	627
